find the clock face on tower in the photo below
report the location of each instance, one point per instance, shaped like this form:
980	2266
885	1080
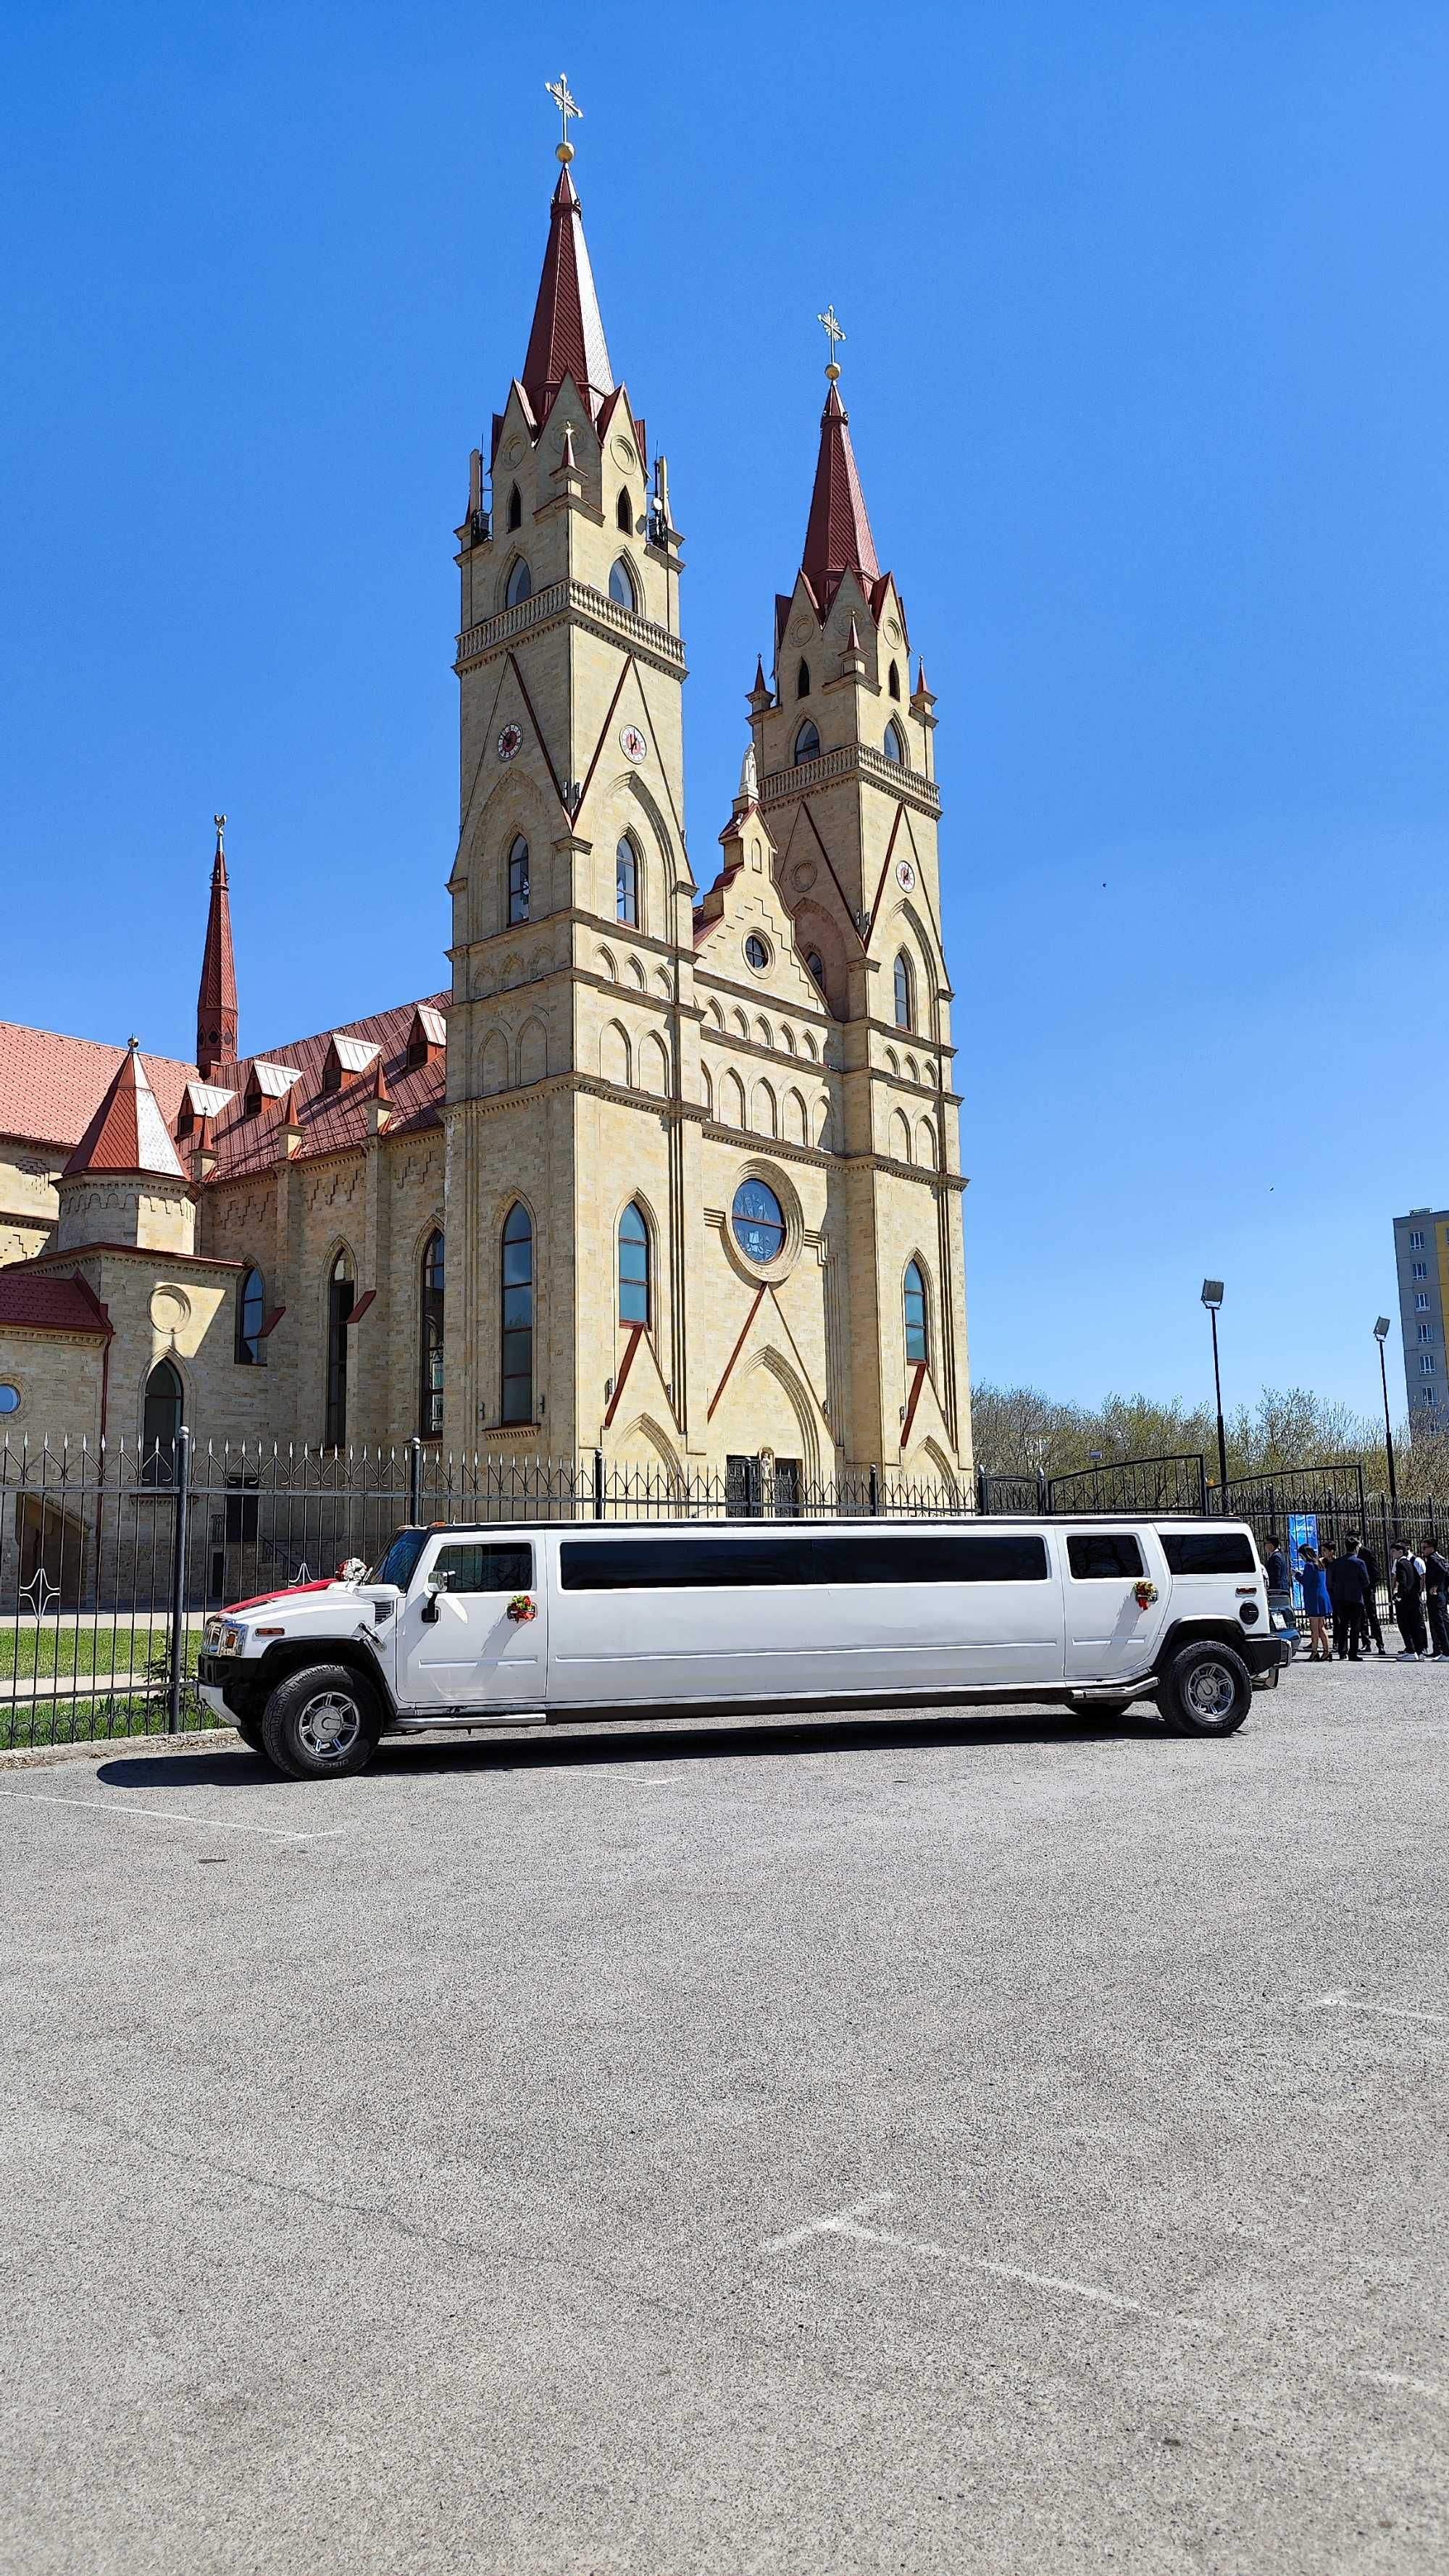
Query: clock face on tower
510	741
905	874
632	744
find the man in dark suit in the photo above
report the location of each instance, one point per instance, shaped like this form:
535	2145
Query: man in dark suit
1364	1553
1275	1566
1348	1591
1409	1603
1436	1584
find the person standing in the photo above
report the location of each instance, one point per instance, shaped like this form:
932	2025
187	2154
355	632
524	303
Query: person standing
1408	1584
1436	1585
1275	1566
1367	1560
1317	1606
1348	1591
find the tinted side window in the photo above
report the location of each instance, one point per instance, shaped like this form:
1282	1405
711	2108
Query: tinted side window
856	1557
483	1568
677	1564
1095	1556
1208	1552
885	1557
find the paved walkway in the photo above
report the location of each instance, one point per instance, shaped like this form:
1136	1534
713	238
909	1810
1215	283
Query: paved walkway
1000	2146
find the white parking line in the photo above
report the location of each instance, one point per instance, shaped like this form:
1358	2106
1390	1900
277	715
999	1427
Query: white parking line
1390	2012
178	1816
846	2222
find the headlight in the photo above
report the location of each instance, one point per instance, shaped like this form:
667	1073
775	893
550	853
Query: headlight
221	1637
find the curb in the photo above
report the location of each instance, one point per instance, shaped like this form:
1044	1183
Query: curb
26	1757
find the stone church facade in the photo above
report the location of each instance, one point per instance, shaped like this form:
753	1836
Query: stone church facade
676	1177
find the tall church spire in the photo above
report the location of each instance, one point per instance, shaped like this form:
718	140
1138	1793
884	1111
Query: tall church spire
838	538
568	332
216	1011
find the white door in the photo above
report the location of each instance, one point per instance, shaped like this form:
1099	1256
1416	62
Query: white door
473	1654
1110	1633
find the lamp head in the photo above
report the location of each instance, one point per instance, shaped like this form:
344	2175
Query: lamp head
1381	1329
1212	1293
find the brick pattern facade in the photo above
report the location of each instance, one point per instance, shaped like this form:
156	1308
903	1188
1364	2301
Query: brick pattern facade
602	1052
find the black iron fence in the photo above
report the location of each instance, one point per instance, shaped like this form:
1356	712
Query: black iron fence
110	1559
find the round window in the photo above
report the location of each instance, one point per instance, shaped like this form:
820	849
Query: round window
756	953
759	1222
9	1397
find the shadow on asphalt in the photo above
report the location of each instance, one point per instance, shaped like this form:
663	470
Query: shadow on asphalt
567	1748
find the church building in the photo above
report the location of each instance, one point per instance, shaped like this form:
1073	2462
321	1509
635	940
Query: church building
668	1173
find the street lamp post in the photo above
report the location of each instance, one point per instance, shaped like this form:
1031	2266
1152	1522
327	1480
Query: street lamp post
1381	1335
1212	1298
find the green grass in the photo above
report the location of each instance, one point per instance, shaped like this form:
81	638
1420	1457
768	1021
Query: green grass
103	1681
29	1653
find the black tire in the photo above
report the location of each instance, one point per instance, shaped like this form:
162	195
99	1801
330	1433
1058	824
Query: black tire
250	1731
1206	1690
317	1702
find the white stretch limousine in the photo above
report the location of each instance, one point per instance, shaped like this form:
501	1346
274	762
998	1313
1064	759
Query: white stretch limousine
517	1626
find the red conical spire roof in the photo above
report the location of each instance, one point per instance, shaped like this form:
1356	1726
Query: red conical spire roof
838	538
568	334
216	1012
128	1132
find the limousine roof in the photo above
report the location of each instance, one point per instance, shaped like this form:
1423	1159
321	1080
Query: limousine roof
742	1527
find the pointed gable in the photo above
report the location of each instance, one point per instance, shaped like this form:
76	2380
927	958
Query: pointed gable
838	537
127	1133
567	338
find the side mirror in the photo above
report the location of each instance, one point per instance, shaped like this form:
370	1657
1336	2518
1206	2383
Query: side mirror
429	1612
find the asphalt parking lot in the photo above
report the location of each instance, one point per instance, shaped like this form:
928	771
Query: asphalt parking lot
1004	2145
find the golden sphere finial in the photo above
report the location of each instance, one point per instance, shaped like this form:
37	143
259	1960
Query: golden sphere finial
833	372
565	153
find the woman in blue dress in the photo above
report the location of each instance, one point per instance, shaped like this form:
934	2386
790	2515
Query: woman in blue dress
1317	1607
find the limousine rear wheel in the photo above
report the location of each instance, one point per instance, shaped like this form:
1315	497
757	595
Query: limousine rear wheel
1206	1690
320	1723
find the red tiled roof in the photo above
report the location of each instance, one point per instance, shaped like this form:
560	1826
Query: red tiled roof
838	538
568	332
51	1086
333	1121
127	1132
45	1305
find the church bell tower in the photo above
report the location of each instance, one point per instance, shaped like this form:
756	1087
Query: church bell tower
571	871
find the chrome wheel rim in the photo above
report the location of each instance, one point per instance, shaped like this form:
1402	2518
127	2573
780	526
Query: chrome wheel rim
329	1726
1209	1690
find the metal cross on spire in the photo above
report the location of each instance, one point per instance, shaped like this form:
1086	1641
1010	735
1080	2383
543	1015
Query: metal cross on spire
833	332
567	105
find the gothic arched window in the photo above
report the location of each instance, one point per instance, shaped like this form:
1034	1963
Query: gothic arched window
905	993
802	681
341	1297
807	740
816	964
516	1315
251	1310
893	746
518	880
160	1425
626	883
893	681
515	508
917	1340
430	1340
624	514
520	584
621	584
633	1266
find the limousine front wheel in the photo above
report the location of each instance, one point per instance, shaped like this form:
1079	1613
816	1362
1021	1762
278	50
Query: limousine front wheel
320	1723
1206	1690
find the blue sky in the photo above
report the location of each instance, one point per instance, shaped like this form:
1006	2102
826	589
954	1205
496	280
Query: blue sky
1147	380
